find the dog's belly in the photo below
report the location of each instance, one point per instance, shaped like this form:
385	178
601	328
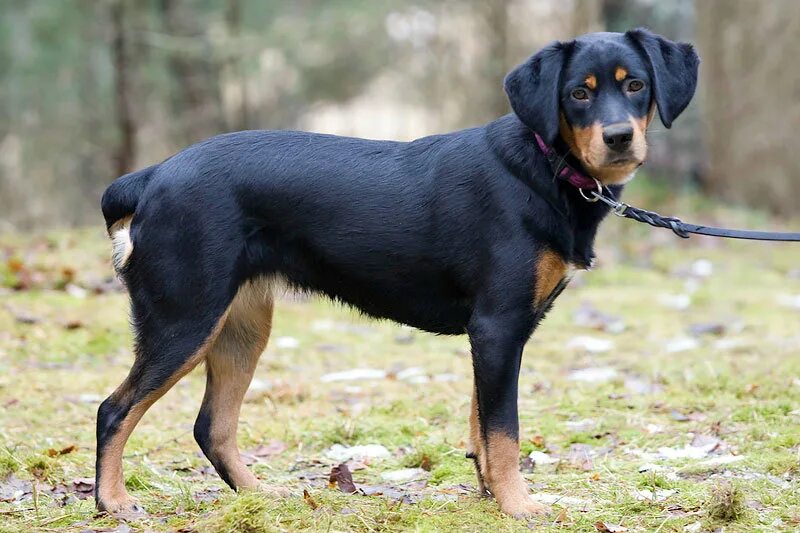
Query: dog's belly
410	292
424	306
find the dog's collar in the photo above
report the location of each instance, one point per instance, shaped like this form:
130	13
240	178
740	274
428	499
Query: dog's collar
562	170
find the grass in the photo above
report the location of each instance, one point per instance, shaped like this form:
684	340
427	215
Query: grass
65	344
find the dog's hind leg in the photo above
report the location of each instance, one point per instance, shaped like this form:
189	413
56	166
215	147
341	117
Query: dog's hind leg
161	360
230	364
179	306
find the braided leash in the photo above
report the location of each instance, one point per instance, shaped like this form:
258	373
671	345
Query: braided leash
682	229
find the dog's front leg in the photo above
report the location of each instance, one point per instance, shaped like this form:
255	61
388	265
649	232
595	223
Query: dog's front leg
497	342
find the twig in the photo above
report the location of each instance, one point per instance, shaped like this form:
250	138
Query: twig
15	511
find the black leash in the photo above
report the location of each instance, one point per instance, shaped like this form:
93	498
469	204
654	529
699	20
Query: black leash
682	229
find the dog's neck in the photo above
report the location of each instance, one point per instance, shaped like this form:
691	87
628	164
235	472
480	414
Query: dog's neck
515	145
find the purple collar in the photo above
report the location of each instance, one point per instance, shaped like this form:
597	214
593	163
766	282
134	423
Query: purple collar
562	170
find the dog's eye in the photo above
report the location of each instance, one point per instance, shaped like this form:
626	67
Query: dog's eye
580	94
635	86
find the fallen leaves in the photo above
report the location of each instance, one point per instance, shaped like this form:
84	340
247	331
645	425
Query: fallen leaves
23	269
341	477
588	316
83	487
707	328
538	441
608	527
52	452
16	490
580	456
275	447
309	500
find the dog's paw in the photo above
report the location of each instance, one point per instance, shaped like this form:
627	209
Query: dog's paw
126	506
524	508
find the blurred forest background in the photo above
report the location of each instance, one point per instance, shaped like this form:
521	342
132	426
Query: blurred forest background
90	89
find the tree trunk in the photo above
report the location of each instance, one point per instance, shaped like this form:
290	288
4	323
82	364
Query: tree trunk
125	153
587	16
234	64
750	81
196	97
496	17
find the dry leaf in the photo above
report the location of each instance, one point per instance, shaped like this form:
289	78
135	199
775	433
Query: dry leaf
15	265
52	452
275	447
607	527
309	500
426	463
341	476
83	487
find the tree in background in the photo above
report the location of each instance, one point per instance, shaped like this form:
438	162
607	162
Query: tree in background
90	89
125	153
750	80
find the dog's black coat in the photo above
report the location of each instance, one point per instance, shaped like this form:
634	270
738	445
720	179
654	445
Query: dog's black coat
442	233
407	231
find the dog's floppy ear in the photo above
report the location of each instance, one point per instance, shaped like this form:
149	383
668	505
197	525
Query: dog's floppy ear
532	90
673	69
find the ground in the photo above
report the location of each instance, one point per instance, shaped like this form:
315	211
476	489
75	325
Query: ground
662	393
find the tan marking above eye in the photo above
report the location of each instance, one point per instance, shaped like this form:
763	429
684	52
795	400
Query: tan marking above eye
620	74
591	81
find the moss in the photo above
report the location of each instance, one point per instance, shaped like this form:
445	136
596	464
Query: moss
726	502
8	463
51	381
425	456
40	467
247	513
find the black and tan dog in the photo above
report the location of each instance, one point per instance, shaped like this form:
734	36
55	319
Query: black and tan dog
471	232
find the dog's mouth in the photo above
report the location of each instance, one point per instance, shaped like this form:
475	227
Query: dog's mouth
615	170
623	161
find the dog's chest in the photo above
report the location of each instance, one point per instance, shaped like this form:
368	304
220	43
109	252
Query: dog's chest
551	275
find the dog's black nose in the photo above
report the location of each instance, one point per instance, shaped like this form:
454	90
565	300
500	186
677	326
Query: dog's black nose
618	137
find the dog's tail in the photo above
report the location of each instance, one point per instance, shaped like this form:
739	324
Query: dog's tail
118	205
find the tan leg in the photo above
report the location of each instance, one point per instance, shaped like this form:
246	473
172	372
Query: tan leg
475	450
118	416
230	366
504	478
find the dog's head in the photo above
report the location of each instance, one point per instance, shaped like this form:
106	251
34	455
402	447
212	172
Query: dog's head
600	92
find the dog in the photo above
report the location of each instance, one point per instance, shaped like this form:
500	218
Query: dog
474	232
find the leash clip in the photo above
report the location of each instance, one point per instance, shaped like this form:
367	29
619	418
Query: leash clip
617	207
597	194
